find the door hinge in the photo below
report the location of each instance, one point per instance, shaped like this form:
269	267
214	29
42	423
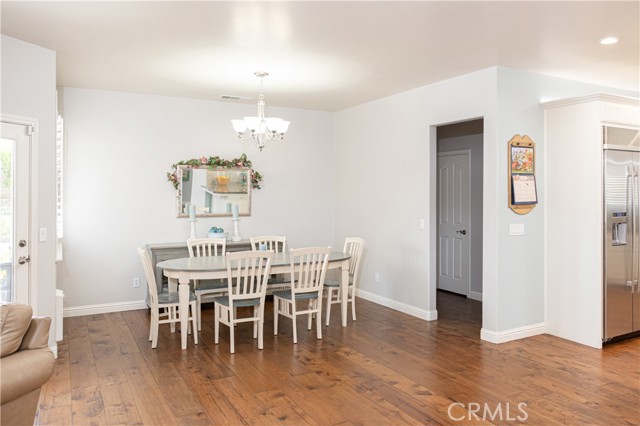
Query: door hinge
29	130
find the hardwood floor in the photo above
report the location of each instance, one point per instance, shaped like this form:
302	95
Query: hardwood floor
387	368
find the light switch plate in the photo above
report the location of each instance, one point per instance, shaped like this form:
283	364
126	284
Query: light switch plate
516	229
43	235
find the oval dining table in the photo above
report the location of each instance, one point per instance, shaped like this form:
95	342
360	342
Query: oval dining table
181	271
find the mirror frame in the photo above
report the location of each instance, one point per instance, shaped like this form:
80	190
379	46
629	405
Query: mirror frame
181	168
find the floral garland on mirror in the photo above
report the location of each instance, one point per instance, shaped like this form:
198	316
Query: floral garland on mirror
215	163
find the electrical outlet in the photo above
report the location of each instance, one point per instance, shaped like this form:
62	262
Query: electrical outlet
376	277
421	224
43	235
516	229
136	282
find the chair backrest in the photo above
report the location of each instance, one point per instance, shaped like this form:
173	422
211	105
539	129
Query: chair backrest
308	269
150	275
199	247
277	244
248	274
354	246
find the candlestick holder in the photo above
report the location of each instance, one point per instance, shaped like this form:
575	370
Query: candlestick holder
193	228
236	232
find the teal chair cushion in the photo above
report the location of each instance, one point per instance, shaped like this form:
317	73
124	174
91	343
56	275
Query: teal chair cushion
286	294
224	300
173	297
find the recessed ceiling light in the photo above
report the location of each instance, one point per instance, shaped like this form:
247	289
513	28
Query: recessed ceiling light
609	40
233	97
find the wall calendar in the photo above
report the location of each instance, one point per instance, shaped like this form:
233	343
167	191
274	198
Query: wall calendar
523	195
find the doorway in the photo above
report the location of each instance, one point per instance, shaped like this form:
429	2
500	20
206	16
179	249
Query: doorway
15	211
459	211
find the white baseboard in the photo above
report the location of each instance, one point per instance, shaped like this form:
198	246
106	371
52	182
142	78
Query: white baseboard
104	308
398	306
512	334
475	295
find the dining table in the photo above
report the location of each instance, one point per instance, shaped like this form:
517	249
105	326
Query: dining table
181	271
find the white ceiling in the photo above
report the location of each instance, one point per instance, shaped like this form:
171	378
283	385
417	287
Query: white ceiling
322	55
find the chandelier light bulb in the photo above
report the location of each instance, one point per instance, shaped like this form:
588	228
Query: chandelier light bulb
261	128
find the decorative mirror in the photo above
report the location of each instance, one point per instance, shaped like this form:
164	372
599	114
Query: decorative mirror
214	186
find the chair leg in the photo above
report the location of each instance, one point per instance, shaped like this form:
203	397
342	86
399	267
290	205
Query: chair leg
260	333
216	323
255	323
310	314
154	339
151	326
329	296
319	318
171	311
232	331
194	320
276	304
353	303
293	318
199	310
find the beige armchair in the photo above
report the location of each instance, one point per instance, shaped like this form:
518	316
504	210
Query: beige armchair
26	362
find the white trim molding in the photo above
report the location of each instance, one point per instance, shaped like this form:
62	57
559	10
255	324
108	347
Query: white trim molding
54	349
475	295
104	308
512	334
398	306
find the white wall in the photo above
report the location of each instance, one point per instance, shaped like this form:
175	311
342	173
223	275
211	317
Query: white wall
29	90
120	147
385	155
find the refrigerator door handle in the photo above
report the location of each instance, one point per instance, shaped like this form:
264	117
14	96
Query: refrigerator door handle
636	230
635	211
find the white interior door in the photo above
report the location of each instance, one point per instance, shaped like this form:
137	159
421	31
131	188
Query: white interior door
453	221
15	241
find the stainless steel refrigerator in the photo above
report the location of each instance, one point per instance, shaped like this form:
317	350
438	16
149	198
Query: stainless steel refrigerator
622	232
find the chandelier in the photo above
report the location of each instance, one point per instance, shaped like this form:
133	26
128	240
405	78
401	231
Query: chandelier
261	128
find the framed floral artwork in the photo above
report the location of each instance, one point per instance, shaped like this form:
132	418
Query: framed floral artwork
522	160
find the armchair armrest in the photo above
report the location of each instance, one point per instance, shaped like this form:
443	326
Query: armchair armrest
24	371
37	335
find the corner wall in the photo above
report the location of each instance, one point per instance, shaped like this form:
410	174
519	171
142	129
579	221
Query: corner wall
29	90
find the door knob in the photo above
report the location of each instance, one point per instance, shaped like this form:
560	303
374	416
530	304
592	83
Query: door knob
463	232
23	259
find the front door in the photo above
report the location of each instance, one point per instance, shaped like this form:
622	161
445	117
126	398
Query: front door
15	241
453	221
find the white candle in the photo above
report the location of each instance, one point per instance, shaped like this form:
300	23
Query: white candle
192	211
236	212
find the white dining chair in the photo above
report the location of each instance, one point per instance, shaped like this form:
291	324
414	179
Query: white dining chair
274	243
165	305
308	269
354	246
247	276
199	247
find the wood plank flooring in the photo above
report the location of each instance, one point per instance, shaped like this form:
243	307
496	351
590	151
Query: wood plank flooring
387	368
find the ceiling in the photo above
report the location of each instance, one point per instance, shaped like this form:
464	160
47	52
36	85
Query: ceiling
322	55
